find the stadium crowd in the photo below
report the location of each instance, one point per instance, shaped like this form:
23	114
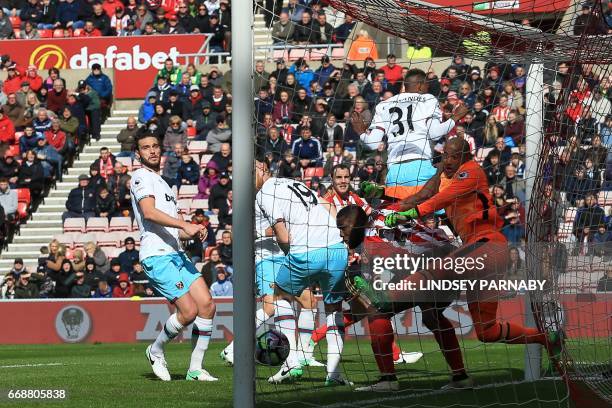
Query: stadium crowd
304	127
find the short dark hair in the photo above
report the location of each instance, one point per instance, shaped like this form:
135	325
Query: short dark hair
144	135
416	74
3	180
355	217
340	166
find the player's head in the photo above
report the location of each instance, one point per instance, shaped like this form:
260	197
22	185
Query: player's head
456	152
341	178
415	81
148	150
352	221
262	171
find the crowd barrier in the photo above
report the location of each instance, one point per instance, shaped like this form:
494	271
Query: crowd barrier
48	321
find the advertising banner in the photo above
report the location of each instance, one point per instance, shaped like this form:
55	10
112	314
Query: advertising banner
136	60
506	6
126	320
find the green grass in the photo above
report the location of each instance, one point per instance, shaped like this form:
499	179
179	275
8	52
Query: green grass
118	375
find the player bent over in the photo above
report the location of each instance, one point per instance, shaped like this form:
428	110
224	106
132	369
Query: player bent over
268	260
170	272
305	229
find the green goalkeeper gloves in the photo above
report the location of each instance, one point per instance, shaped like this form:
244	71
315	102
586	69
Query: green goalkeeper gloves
395	218
372	190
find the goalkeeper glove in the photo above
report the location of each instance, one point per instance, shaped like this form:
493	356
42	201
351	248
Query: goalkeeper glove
372	190
393	219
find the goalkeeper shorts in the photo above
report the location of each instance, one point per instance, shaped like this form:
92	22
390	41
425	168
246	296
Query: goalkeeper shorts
170	275
265	274
324	266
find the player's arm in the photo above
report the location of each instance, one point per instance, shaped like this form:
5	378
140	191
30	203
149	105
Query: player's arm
282	235
183	235
457	187
326	202
152	214
372	136
438	128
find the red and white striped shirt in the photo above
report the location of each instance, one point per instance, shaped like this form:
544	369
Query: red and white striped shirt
334	198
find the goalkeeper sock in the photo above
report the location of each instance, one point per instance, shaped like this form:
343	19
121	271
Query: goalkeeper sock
284	321
200	337
511	333
335	343
321	331
396	350
306	325
381	335
444	333
172	328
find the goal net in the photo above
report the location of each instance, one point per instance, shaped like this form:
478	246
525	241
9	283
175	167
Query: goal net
536	81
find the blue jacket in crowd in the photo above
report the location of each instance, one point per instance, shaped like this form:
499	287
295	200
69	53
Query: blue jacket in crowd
307	149
101	84
81	200
67	12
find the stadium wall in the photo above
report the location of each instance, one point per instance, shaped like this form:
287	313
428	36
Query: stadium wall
133	320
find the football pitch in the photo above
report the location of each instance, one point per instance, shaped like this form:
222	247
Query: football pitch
118	375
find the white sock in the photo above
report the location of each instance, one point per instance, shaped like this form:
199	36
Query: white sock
171	329
260	319
284	321
200	337
306	325
335	342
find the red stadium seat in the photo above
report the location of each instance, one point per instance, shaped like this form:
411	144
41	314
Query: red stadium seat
15	21
205	159
184	205
199	203
297	53
77	32
67	239
23	210
14	151
112	252
311	172
120	224
17	32
58	33
337	53
317	53
278	54
191	132
97	224
197	146
74	225
23	195
126	161
108	239
81	239
45	33
207	251
187	191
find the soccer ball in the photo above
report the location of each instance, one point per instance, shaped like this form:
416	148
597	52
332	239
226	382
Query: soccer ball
271	348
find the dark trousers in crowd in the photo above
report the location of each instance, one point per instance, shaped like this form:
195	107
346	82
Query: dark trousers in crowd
73	214
95	123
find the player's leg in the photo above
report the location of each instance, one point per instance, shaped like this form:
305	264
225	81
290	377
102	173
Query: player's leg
164	275
306	328
444	333
399	356
406	179
202	329
332	263
381	337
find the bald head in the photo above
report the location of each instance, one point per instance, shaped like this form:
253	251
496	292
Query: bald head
456	152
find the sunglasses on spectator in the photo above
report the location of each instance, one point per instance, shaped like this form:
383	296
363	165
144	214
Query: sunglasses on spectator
182	7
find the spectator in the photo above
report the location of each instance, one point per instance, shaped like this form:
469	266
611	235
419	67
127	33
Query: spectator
343	31
129	29
92	109
32	175
90	30
105	163
185	20
67	15
147	109
173	27
69	125
78	260
173	163
201	19
57	139
101	83
13	109
223	157
175	134
225	250
9	168
18	268
126	137
579	186
208	179
514	131
602	241
12	83
225	212
8	199
605	283
222	286
7	129
117	180
282	30
103	290
218	100
25	288
81	202
41	122
101	260
597	153
513	230
125	288
307	149
189	170
218	192
48	13
283	108
101	20
106	206
514	186
263	103
142	17
219	135
138	274
162	89
516	267
492	168
589	215
3	98
7	288
80	288
205	120
303	32
95	180
55	257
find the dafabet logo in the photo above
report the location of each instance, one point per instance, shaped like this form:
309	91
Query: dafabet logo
132	58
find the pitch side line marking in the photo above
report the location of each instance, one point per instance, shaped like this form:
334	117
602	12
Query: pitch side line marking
31	365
